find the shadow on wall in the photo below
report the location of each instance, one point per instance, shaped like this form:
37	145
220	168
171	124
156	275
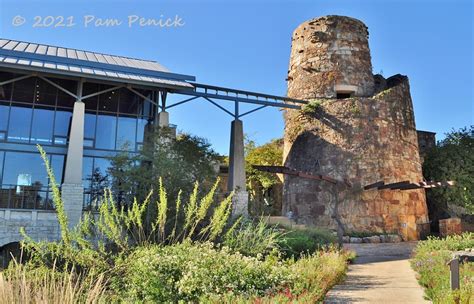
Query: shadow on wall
313	201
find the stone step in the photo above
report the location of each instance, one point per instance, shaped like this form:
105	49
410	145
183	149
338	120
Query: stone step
282	220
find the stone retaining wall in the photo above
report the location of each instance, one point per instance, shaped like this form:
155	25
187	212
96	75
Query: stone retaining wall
38	224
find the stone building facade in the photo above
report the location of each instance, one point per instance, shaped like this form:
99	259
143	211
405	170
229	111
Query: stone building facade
359	128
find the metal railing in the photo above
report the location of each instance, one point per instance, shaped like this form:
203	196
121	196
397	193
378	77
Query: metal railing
26	197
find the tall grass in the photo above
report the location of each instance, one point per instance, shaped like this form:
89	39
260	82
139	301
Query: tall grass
253	239
43	285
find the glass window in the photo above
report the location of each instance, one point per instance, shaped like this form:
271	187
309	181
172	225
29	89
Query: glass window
105	135
87	165
19	124
6	91
90	88
42	130
57	164
142	123
1	166
24	90
4	109
24	169
45	93
89	125
126	133
64	99
146	108
62	123
100	176
129	102
108	101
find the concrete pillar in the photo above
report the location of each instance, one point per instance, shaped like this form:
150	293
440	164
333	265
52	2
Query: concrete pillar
72	190
236	181
163	119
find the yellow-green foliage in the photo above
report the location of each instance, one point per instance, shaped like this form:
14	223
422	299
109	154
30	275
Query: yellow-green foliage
58	203
113	231
430	261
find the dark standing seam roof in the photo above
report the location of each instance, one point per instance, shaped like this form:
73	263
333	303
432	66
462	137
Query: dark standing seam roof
59	60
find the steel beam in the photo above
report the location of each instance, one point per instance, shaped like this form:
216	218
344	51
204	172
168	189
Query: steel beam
183	101
239	99
220	107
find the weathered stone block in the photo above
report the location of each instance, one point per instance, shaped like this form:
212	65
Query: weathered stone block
450	226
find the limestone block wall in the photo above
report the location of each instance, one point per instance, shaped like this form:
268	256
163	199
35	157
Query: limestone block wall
366	138
330	54
362	140
38	224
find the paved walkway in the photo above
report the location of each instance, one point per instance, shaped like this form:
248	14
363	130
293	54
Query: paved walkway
380	274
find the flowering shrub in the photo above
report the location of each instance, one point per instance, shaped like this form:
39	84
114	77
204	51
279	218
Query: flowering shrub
186	272
430	261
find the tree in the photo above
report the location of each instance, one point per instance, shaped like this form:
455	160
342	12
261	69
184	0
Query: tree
260	183
453	159
180	162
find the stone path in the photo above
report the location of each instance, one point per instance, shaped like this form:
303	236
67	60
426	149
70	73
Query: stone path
380	274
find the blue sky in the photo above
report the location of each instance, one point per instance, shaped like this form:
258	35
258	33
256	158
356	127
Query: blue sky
246	45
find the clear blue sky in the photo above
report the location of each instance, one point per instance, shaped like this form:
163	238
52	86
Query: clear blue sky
246	45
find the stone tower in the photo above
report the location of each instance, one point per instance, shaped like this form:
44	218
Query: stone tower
359	128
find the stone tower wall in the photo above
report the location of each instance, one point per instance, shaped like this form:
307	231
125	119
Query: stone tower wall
363	139
330	54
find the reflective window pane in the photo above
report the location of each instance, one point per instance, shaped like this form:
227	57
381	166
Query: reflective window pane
105	135
24	169
24	90
91	88
108	101
100	175
62	123
19	124
4	110
126	133
87	164
57	164
6	91
42	130
45	93
142	125
89	125
1	166
64	99
129	102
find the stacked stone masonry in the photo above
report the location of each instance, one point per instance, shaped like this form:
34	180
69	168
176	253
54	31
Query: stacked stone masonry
367	138
450	226
39	225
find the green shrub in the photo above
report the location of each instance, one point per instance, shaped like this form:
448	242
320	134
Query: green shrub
305	241
186	272
312	276
430	261
311	107
253	239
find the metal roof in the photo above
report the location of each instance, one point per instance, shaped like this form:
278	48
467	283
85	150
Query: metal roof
60	60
